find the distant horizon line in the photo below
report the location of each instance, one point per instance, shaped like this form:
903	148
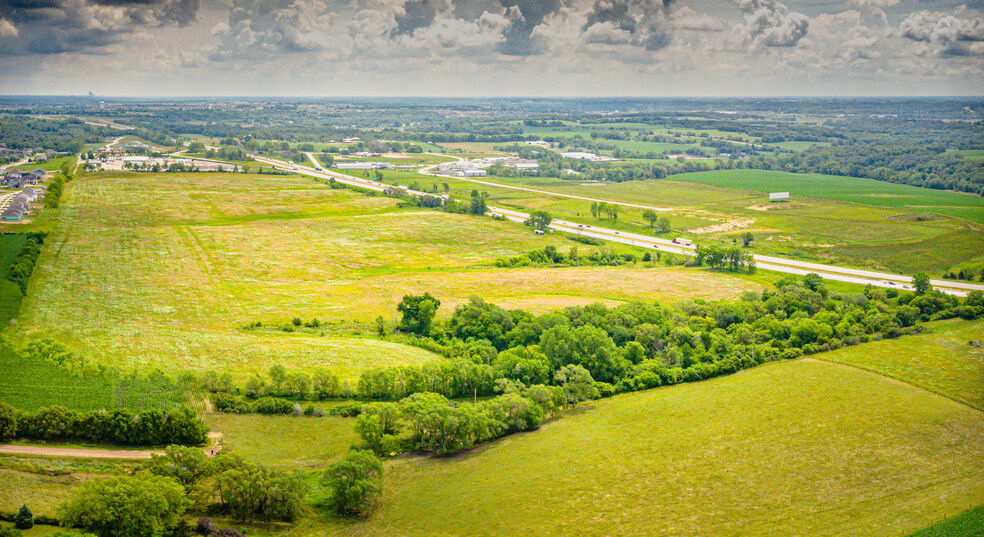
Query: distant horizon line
489	97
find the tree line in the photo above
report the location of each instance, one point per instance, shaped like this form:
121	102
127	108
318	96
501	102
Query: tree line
634	345
148	428
23	266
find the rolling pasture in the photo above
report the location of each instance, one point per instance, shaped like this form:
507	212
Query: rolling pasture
941	361
163	271
795	448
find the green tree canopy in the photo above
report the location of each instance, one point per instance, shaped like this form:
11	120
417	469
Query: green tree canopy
418	313
356	483
144	505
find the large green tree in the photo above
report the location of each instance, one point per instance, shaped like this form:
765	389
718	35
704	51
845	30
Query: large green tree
920	282
577	384
418	313
186	465
8	421
587	346
540	220
356	483
144	505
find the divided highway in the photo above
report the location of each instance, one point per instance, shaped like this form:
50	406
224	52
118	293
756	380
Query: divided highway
778	264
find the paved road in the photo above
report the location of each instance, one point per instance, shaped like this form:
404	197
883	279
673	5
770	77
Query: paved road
82	453
12	164
778	264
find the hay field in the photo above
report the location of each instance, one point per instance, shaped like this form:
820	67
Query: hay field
163	271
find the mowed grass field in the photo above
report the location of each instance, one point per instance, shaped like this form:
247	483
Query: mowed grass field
849	189
941	361
163	271
288	442
803	448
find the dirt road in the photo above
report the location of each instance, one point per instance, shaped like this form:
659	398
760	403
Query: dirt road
82	453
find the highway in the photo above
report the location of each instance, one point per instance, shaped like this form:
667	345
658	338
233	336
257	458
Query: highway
778	264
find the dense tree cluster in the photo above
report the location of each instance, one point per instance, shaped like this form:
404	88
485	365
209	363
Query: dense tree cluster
639	345
550	255
927	166
629	347
732	258
147	428
68	134
23	266
56	188
356	483
151	502
144	505
251	491
436	424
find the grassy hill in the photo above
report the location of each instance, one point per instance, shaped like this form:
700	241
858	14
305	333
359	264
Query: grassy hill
797	448
941	361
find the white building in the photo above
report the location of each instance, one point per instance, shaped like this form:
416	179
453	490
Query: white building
579	155
361	165
588	156
778	196
474	172
137	159
540	143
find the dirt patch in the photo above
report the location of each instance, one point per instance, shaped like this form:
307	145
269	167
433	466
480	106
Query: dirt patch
771	206
724	227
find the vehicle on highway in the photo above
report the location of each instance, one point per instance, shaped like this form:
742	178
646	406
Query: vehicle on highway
319	168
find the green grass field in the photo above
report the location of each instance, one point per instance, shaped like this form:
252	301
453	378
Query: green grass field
289	442
49	165
185	261
968	524
798	448
848	189
42	493
10	292
30	383
941	361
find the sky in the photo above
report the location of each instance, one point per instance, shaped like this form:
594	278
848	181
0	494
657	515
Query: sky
476	48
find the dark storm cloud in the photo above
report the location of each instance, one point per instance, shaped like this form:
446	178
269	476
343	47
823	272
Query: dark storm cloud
56	26
634	22
525	16
415	15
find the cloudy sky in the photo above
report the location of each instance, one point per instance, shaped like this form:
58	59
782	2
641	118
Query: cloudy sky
492	47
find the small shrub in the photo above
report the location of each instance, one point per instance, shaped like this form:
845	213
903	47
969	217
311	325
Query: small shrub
24	519
205	526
